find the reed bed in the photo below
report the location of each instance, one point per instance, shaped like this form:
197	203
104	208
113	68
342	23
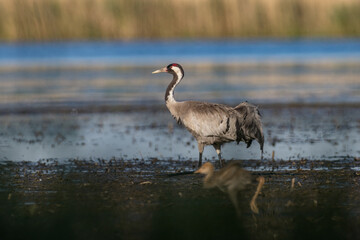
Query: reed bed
34	20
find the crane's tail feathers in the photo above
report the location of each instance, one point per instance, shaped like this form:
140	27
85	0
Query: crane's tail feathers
250	124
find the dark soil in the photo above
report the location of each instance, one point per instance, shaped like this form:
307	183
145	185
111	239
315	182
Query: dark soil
152	199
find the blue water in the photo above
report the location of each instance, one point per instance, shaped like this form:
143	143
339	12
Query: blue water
228	71
199	51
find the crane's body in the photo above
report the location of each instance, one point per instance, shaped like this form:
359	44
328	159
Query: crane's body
231	179
211	123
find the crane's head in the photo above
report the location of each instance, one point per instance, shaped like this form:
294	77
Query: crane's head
174	69
206	168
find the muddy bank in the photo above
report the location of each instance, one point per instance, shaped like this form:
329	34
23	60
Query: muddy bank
149	199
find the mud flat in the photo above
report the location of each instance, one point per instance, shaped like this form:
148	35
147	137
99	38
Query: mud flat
151	199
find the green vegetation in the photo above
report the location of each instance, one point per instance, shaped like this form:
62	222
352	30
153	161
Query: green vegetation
27	20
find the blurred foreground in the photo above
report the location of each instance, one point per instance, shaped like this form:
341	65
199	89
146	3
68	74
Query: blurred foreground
147	200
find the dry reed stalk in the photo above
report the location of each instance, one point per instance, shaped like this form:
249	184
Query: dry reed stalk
123	19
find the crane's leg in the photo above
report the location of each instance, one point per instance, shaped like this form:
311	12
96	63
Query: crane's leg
218	151
201	149
253	206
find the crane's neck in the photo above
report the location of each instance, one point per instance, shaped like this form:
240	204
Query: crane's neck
169	94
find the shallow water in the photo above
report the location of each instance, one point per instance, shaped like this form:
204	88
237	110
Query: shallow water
326	133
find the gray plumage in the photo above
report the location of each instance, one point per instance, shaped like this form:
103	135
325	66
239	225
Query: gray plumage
211	123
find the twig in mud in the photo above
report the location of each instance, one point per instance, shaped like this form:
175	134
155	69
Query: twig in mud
292	184
146	182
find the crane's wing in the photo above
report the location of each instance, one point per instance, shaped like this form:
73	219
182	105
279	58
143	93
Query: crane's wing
208	119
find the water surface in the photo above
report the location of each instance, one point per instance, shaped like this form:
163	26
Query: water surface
294	133
86	76
147	53
223	71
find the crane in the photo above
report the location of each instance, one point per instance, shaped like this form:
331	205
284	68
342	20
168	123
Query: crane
211	123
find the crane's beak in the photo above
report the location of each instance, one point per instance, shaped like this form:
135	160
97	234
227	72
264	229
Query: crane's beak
160	70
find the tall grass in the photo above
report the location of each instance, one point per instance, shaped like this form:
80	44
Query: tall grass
128	19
